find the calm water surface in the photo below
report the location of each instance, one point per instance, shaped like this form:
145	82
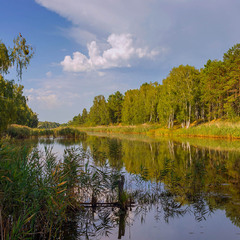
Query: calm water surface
188	189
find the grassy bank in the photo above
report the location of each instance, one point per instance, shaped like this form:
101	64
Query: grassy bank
213	129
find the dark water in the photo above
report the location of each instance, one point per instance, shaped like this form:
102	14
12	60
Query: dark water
188	189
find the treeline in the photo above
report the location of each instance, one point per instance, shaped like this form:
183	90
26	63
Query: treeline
186	95
48	125
13	104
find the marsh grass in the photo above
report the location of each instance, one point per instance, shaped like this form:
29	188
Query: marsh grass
133	129
16	131
22	132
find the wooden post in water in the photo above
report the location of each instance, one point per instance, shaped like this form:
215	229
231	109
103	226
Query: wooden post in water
94	200
122	223
121	198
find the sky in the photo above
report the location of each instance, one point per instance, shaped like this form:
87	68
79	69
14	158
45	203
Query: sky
84	48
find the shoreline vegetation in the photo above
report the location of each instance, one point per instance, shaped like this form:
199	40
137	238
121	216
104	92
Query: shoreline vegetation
39	192
23	132
188	102
214	129
218	129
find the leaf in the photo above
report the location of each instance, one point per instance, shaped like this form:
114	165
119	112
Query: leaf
28	219
7	178
62	183
61	191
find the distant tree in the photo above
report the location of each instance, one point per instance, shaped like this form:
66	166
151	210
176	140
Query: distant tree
213	89
128	110
231	61
115	102
149	93
48	125
99	113
167	105
186	95
84	116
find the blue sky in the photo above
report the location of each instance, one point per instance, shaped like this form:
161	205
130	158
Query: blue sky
90	47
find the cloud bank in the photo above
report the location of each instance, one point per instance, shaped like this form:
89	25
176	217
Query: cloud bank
119	53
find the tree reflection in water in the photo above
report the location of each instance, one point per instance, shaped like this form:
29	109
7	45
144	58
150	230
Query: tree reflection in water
173	178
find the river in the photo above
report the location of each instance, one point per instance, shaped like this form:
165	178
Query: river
186	188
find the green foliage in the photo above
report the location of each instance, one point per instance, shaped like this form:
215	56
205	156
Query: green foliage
39	193
13	105
185	96
69	132
21	54
5	62
47	125
115	102
99	112
18	132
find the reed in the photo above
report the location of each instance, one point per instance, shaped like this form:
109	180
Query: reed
132	129
17	131
39	191
22	132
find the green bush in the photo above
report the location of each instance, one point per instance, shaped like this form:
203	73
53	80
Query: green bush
18	132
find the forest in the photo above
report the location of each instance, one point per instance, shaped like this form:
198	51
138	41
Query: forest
186	95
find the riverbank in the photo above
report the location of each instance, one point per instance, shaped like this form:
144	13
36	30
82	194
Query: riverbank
213	129
22	132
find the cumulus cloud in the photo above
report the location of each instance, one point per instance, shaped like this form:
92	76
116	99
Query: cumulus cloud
119	53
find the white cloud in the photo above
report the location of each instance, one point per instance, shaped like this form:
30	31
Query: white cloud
46	99
120	52
104	15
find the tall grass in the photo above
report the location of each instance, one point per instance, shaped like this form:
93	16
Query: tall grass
21	132
136	129
39	191
16	131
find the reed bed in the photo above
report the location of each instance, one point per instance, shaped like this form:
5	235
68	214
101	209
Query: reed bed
38	192
133	129
22	132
